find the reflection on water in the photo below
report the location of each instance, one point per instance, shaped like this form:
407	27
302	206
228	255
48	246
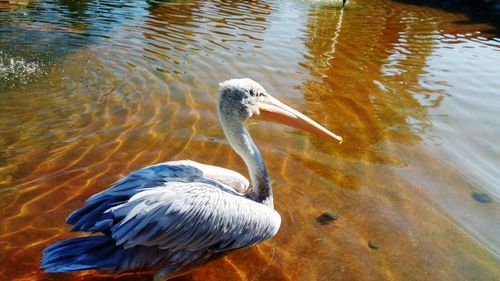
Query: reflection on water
122	84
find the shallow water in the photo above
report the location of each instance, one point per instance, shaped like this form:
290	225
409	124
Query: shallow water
92	90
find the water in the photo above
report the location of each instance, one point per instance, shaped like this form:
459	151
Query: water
92	90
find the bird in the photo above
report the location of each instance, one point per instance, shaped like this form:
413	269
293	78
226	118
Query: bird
175	216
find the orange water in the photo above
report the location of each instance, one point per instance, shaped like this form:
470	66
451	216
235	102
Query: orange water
92	90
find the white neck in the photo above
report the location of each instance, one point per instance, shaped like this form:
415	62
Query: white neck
242	143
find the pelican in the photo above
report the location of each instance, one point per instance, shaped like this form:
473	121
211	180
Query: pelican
175	216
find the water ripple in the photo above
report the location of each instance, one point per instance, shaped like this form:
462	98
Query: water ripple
112	86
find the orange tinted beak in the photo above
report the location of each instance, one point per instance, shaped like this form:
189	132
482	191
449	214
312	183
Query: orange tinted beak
276	111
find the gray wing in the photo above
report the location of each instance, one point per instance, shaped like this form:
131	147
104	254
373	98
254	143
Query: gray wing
85	218
194	217
175	206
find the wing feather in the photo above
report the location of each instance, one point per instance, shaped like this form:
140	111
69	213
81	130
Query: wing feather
181	205
191	218
86	218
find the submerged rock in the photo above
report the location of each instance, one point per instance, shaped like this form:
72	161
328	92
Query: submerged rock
373	245
327	217
481	197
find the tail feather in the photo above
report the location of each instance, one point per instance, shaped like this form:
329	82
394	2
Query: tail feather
84	253
101	252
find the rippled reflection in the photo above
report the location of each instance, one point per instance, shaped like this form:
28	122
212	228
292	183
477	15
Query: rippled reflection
91	90
45	32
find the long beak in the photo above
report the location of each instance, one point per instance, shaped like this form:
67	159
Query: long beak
276	111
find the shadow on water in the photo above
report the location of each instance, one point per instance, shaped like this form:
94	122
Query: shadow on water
477	11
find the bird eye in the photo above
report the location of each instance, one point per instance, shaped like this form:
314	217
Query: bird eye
254	93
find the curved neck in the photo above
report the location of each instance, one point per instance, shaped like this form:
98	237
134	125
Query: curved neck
242	143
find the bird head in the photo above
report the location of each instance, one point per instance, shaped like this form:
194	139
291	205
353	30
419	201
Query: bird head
242	99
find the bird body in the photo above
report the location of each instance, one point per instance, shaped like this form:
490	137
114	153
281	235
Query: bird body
178	215
180	209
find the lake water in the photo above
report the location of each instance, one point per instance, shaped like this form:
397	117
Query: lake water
92	90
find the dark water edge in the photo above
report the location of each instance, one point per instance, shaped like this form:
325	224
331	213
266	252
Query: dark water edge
477	11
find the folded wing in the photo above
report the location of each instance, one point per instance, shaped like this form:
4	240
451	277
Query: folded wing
175	206
199	217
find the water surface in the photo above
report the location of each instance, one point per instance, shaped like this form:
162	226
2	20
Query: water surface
92	90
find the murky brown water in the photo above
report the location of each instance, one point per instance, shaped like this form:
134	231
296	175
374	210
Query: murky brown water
92	90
